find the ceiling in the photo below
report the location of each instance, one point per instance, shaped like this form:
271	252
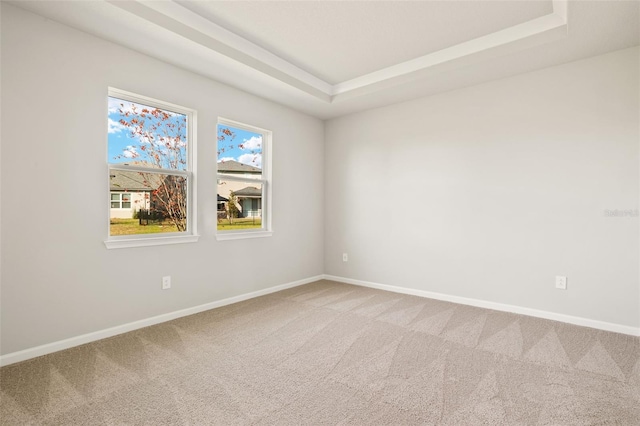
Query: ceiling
330	58
339	41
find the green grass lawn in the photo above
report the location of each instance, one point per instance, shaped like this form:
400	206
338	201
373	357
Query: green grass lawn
240	223
132	227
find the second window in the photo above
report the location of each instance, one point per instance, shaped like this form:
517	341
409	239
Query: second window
243	179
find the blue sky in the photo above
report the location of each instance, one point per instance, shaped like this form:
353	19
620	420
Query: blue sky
169	142
245	147
118	137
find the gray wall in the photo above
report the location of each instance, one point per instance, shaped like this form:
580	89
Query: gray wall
486	192
58	279
491	191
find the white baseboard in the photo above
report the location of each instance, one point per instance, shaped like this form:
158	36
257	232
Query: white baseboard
586	322
37	351
48	348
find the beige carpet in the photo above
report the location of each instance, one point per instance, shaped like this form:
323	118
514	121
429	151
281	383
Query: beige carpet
329	353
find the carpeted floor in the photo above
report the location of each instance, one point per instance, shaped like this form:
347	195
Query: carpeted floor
330	353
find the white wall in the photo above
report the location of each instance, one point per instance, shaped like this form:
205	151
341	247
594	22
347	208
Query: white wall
511	179
58	279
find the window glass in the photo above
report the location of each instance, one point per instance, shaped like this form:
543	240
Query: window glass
149	166
148	136
242	177
241	209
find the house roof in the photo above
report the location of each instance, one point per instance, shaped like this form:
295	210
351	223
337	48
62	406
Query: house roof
123	180
221	199
232	166
249	191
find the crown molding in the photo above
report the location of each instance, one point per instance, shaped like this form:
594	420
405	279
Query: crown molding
173	17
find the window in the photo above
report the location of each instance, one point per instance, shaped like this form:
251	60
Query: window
243	181
120	200
151	145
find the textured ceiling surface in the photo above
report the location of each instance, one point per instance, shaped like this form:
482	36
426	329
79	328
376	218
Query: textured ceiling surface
341	40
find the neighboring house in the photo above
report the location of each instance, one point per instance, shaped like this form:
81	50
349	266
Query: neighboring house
129	193
231	167
222	207
222	202
250	202
250	199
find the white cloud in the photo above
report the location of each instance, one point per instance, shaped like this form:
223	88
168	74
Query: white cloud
254	160
130	152
115	127
226	159
255	143
114	105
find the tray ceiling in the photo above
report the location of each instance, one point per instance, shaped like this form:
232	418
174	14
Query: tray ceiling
330	58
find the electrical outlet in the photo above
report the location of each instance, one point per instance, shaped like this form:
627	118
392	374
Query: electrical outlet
345	257
166	282
561	282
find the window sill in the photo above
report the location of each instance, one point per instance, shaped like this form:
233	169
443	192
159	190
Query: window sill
228	235
146	242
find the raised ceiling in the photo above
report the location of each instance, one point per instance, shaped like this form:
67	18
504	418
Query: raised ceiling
339	40
336	57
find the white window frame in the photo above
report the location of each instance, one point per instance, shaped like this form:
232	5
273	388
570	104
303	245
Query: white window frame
143	240
265	181
119	200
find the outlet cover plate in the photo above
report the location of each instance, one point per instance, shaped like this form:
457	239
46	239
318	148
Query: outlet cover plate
561	282
166	283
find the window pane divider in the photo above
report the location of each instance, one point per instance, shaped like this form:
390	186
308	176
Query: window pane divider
149	170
